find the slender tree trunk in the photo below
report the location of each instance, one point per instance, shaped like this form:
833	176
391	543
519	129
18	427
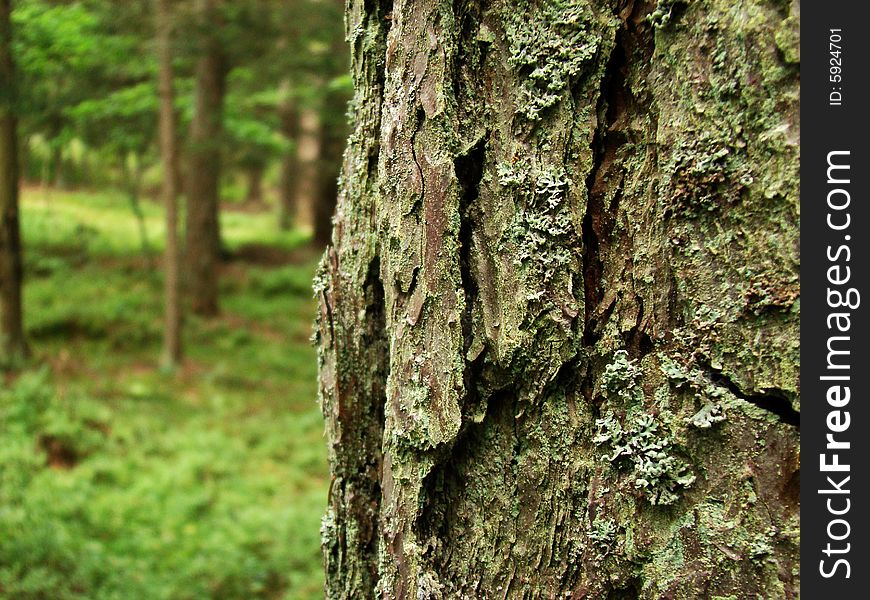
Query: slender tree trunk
24	161
308	178
288	115
56	164
333	134
254	193
13	347
203	183
172	348
558	328
332	144
133	185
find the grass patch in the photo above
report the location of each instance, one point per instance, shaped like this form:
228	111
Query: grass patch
120	481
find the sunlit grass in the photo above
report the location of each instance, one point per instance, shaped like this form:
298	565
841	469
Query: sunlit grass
118	480
106	222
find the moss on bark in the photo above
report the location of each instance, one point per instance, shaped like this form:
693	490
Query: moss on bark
559	317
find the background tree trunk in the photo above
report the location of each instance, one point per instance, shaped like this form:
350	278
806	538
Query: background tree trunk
12	343
288	116
308	177
558	328
172	348
333	135
254	191
204	168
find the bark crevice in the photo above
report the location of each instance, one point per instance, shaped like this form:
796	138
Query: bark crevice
774	401
598	221
469	171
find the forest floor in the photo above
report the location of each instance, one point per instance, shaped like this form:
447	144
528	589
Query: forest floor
119	480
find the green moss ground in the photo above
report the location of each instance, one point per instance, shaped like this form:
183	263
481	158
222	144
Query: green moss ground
121	481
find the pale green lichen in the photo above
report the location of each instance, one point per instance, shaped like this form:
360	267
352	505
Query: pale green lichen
551	47
640	443
329	528
713	397
709	414
543	227
428	586
621	378
761	544
788	38
705	175
602	532
638	439
663	13
510	175
320	283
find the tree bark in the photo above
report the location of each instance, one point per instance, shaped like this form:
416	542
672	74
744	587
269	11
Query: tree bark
13	347
204	158
558	327
172	315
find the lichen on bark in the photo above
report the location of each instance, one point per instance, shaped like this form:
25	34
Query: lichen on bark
559	316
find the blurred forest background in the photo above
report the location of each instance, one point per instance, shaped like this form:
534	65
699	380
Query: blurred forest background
167	178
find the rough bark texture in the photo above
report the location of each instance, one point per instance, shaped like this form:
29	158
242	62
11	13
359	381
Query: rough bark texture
172	349
12	343
558	328
202	243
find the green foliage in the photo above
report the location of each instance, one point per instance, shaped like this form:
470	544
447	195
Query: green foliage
76	225
288	281
118	481
251	120
69	55
112	503
88	74
121	121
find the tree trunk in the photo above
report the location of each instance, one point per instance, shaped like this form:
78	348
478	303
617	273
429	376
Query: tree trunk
203	184
333	135
558	328
332	145
288	115
133	186
254	193
308	177
13	347
172	348
56	163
